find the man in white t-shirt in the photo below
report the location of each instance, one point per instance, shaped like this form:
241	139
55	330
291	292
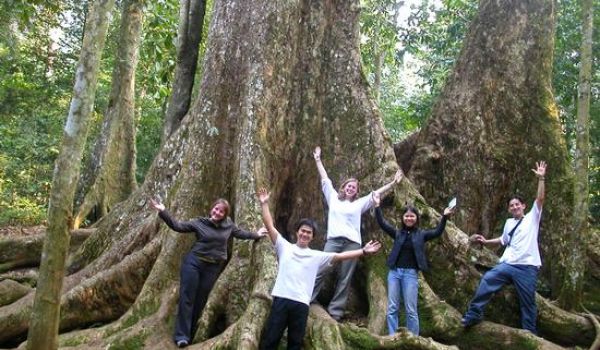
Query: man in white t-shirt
520	262
296	273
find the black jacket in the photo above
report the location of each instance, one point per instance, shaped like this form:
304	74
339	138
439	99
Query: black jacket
419	237
211	238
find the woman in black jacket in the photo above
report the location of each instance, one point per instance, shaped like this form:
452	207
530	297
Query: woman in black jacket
405	261
202	265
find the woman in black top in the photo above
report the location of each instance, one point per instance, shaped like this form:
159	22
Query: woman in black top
405	261
201	266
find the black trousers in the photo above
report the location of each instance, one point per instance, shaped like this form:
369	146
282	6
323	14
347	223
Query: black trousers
197	279
285	313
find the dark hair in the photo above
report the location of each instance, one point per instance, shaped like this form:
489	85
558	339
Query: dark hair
410	208
308	222
342	193
225	203
515	196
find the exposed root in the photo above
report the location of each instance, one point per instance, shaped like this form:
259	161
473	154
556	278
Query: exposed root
225	296
377	294
357	337
325	333
443	317
243	334
108	294
115	238
11	291
489	335
596	344
25	251
322	331
102	298
562	326
28	276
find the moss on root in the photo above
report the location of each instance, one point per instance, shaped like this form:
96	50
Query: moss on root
129	343
140	312
73	341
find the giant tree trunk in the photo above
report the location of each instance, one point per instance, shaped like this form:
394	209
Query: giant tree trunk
43	333
110	175
494	119
281	77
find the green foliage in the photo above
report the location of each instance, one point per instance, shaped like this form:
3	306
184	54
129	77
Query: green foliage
39	49
153	78
435	34
33	97
431	38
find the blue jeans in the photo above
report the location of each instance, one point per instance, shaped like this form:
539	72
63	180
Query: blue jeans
285	313
403	283
524	278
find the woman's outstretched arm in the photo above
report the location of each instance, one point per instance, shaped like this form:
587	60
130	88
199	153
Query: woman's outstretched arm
320	167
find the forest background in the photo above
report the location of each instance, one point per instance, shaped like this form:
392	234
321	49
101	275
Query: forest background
406	61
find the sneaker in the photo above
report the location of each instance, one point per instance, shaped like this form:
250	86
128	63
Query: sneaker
182	343
469	322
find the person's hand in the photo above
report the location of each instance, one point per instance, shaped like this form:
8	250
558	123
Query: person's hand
157	205
317	153
398	176
477	238
540	169
449	211
371	247
263	195
262	232
376	198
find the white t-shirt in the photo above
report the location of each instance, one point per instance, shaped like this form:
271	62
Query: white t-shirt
523	248
297	270
344	216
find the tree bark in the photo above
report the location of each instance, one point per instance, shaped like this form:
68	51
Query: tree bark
571	293
27	251
496	117
43	331
189	36
110	175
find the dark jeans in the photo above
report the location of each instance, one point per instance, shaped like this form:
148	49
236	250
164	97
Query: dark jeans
197	279
285	313
524	278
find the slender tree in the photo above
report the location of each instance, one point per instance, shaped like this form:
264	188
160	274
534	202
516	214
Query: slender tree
109	177
43	332
189	36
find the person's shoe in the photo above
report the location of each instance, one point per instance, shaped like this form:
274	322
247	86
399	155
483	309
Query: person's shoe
469	322
182	343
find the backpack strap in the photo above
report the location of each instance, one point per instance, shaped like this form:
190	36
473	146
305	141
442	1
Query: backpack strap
512	232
